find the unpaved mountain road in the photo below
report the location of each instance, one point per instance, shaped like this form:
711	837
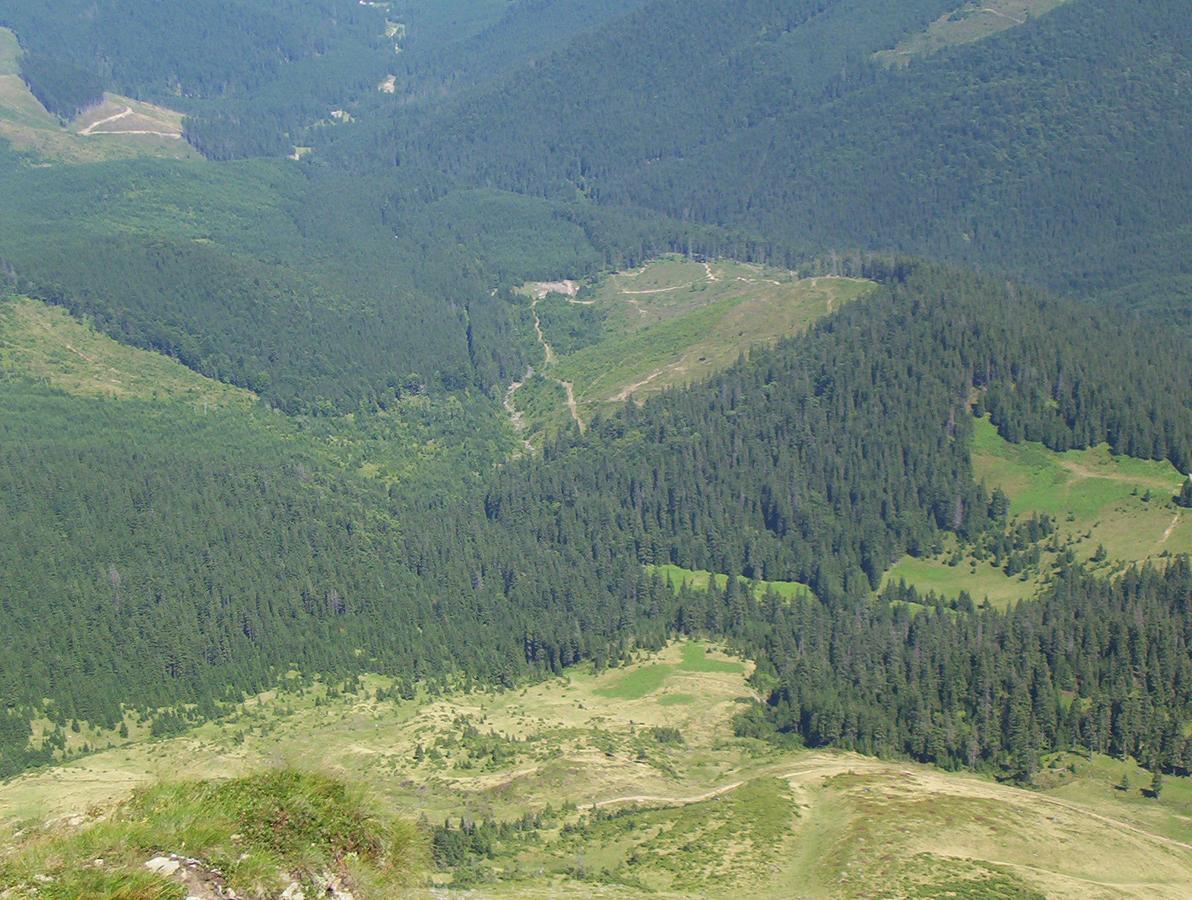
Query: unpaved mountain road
90	131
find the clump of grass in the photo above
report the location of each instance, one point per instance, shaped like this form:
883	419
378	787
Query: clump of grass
261	832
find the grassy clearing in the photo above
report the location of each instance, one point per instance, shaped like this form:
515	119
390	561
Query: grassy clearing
693	326
982	579
673	322
645	680
118	115
1097	782
964	25
1095	499
685	808
1088	490
46	344
10	53
677	577
637	684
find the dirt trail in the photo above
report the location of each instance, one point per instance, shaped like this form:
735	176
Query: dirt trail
120	115
516	416
165	134
665	290
549	354
549	357
673	801
572	407
1175	520
76	352
627	392
1082	471
998	12
546	348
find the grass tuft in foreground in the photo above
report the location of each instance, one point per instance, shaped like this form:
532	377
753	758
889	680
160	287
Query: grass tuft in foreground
255	834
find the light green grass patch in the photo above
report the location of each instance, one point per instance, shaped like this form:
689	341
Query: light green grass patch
10	53
44	343
677	577
1102	493
987	582
638	683
1096	780
966	24
695	659
692	326
1094	498
676	321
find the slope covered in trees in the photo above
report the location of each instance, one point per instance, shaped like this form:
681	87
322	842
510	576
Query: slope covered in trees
253	75
168	558
278	561
1053	151
771	471
63	89
256	274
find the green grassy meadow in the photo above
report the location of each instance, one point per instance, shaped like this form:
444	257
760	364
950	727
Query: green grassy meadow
645	680
46	344
677	577
967	23
673	322
1097	500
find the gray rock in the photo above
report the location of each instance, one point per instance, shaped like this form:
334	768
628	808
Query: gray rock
163	865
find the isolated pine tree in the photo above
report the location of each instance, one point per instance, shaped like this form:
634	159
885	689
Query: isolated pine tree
1156	784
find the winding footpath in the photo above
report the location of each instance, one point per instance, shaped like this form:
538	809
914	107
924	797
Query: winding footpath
549	357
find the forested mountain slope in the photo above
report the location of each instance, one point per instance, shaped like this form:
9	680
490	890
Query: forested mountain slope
451	46
770	470
259	275
764	131
253	75
254	412
1052	151
168	538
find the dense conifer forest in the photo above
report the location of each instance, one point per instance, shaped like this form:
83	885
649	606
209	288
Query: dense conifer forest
768	471
815	144
360	192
